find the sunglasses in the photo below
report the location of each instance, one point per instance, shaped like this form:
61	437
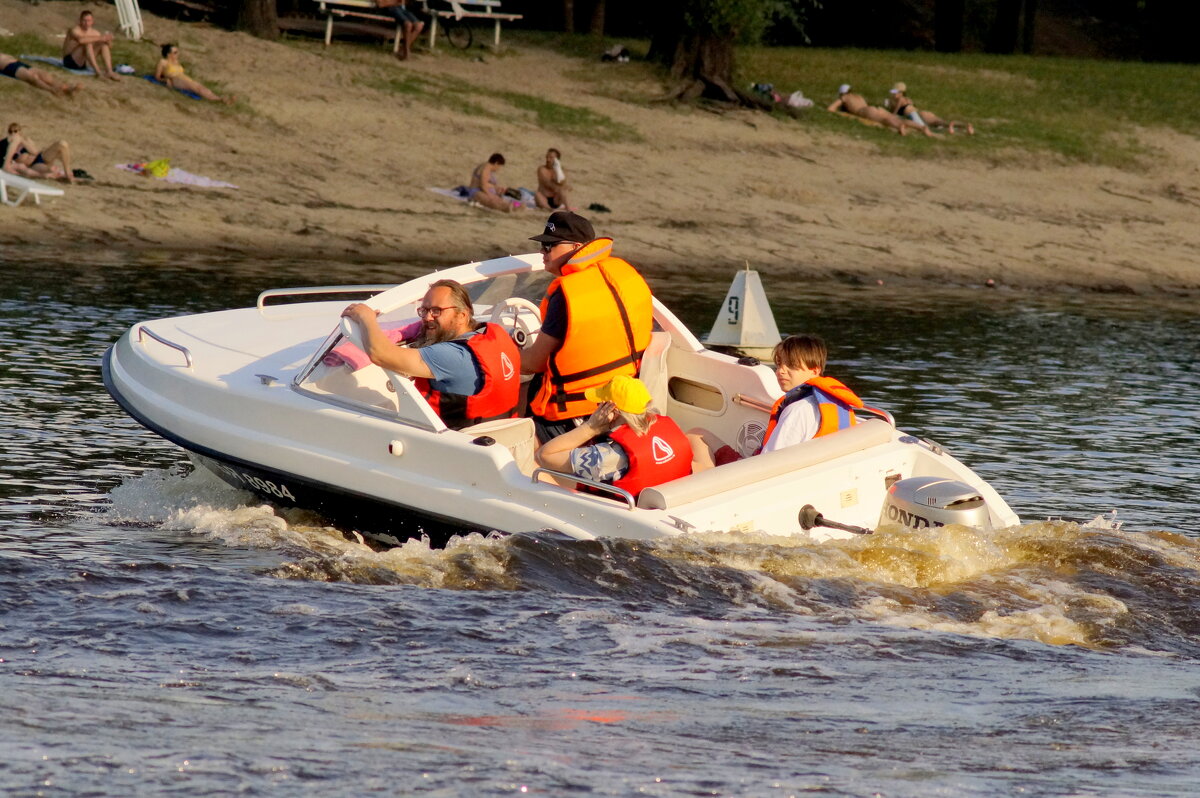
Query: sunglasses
433	312
549	245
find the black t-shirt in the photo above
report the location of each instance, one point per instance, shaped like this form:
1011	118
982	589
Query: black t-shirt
554	323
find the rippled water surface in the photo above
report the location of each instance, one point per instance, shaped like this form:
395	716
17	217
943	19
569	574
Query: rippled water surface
161	633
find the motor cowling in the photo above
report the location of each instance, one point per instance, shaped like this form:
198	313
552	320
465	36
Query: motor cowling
921	502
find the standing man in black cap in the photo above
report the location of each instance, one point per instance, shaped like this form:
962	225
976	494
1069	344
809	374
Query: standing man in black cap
596	323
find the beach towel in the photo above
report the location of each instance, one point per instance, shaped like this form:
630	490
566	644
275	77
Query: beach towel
861	119
184	92
355	358
179	176
58	62
463	194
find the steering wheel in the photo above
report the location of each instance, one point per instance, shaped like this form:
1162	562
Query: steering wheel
522	330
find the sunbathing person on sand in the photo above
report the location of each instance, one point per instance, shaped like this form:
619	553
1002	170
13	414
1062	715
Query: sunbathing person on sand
900	104
83	43
552	185
22	157
484	188
10	67
850	103
170	72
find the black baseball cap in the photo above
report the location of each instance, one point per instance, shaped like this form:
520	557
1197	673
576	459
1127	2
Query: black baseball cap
566	226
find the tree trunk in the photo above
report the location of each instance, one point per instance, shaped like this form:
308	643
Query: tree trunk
568	15
1028	28
1002	38
258	18
700	64
599	12
702	67
948	16
1167	33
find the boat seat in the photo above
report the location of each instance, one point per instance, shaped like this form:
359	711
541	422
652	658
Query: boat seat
515	434
731	476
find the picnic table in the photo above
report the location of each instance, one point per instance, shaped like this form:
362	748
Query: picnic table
456	10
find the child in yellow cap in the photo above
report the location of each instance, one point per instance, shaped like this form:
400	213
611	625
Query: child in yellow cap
624	443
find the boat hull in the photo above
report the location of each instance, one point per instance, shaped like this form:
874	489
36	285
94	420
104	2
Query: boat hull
386	522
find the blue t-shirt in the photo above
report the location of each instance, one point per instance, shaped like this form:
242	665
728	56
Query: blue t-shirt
453	366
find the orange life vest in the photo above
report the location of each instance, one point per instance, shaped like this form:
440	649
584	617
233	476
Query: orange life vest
834	401
659	456
609	319
500	363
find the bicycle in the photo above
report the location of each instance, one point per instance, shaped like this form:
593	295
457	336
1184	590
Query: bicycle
456	31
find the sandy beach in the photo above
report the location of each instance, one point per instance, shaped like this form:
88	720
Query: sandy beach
329	164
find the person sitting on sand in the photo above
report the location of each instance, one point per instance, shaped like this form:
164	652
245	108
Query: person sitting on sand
85	47
810	407
552	183
624	443
411	25
851	103
486	190
22	157
10	67
899	103
170	72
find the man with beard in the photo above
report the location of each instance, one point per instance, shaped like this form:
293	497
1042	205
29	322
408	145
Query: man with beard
469	372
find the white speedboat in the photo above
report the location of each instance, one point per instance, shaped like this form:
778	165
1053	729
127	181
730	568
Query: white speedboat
262	397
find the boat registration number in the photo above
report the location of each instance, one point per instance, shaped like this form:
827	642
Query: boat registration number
252	482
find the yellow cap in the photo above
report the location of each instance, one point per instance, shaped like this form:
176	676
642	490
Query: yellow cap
627	393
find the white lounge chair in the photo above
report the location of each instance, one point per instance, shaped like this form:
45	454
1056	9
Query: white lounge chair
130	17
22	187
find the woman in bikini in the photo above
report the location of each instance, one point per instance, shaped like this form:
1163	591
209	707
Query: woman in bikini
486	190
900	105
10	67
170	72
22	157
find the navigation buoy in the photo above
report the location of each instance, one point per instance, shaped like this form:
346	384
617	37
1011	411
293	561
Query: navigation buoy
745	323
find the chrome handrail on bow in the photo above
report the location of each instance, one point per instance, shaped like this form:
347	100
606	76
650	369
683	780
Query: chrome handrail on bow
619	493
187	355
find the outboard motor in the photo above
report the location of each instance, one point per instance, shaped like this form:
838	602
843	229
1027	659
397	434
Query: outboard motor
920	502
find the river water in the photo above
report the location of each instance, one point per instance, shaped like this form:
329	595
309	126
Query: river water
160	633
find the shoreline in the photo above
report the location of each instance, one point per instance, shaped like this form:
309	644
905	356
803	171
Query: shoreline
333	150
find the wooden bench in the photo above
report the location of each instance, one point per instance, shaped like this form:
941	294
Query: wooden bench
458	10
469	9
364	9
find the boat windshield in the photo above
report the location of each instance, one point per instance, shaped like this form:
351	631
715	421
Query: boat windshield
345	375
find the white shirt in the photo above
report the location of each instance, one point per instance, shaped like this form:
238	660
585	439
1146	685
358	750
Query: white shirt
798	422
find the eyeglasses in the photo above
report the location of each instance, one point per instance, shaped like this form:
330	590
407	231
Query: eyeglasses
549	245
433	312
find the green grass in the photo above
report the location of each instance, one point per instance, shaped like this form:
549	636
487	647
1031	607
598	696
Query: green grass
463	97
1023	107
142	56
1073	110
568	119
